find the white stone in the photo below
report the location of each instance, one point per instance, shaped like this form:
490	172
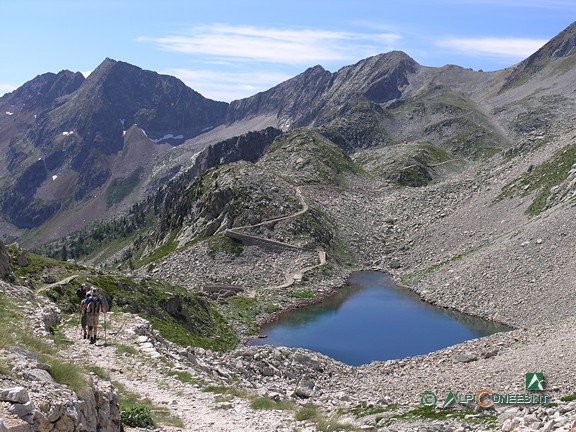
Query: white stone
15	394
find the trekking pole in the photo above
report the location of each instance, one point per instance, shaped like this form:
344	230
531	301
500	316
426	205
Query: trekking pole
105	314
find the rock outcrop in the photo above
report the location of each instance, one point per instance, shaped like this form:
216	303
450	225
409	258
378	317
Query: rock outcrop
5	263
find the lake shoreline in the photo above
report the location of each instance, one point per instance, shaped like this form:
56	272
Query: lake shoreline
378	302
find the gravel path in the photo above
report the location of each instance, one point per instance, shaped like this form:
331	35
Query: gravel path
146	373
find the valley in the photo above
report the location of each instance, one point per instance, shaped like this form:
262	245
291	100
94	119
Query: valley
459	184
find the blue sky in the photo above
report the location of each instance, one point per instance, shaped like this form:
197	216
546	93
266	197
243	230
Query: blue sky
230	49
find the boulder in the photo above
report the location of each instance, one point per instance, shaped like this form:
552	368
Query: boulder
15	395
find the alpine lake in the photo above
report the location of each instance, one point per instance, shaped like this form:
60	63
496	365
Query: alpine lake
373	319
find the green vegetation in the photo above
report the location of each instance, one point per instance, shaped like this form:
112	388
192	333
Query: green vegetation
183	377
542	179
6	368
528	146
15	331
60	340
413	278
67	373
120	188
305	156
568	398
137	409
38	268
126	349
302	294
333	423
423	413
101	372
138	416
225	390
166	248
317	230
411	165
104	238
272	308
362	411
463	130
266	403
182	317
307	412
364	125
243	311
223	244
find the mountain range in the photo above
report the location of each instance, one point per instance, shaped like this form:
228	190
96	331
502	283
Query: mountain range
77	150
200	220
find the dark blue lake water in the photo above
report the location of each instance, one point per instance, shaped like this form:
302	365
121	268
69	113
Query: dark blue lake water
374	319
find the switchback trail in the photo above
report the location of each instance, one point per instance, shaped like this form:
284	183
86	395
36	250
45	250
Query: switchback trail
290	277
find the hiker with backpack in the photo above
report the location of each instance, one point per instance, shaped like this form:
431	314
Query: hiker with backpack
82	292
93	304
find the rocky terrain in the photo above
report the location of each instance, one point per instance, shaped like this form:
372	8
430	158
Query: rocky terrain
461	184
197	390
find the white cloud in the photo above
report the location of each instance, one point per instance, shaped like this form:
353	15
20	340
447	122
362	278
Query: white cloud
6	88
275	45
511	48
228	86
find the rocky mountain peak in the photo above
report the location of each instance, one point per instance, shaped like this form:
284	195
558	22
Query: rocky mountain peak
564	44
561	46
43	91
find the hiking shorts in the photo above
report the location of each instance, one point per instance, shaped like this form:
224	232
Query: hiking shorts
92	320
84	319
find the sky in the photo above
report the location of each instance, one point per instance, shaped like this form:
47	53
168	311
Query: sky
231	49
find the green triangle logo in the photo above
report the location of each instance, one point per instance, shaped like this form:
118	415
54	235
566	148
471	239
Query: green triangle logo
535	381
449	400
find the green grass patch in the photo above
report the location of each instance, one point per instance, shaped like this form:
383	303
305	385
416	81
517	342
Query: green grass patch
38	267
182	317
143	408
169	246
60	339
100	372
137	416
542	179
266	403
302	294
435	414
6	369
225	390
27	340
271	308
568	398
361	411
10	316
308	412
242	310
67	373
126	349
183	377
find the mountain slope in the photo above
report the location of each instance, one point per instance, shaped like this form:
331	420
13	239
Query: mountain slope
76	141
561	46
88	149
